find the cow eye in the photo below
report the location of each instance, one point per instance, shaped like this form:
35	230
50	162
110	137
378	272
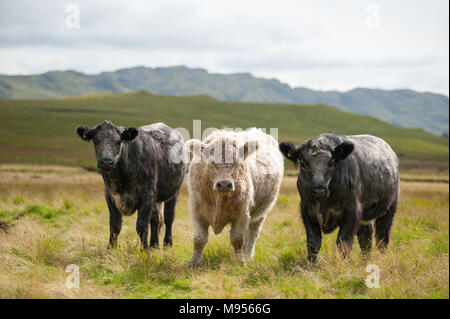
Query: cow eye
330	164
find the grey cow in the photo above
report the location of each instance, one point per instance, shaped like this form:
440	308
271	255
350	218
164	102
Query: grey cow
141	168
348	182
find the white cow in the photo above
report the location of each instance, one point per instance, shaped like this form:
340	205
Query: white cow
234	178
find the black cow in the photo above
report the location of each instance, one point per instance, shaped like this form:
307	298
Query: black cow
346	182
141	167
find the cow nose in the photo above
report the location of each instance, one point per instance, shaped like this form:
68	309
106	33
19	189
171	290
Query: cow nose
105	163
320	191
224	186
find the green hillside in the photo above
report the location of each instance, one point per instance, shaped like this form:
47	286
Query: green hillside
405	108
43	131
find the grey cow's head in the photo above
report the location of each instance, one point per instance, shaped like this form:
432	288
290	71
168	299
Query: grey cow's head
107	139
318	159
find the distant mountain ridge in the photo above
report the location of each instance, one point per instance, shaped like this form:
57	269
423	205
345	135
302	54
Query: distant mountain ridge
404	108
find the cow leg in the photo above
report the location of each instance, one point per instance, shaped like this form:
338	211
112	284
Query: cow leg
383	227
313	234
365	238
115	222
169	216
154	227
200	240
347	230
237	236
254	228
143	220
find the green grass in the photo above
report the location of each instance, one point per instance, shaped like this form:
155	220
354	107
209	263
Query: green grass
43	131
59	217
53	216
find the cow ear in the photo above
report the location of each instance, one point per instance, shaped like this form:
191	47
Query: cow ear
194	146
129	134
84	132
289	151
247	149
342	151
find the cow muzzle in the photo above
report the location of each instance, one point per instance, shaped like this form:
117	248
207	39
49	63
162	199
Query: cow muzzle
319	192
105	163
224	186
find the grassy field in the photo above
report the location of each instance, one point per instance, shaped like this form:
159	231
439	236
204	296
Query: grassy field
53	216
42	131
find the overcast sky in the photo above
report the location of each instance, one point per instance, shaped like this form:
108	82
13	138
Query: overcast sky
325	45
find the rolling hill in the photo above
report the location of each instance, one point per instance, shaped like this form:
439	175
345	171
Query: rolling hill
405	108
43	131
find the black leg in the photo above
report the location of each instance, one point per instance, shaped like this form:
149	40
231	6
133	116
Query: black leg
115	222
143	220
348	228
313	233
169	216
154	228
383	227
365	238
344	243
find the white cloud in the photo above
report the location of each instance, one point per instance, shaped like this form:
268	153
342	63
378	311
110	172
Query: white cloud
322	45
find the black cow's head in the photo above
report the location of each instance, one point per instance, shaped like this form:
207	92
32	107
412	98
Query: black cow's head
318	160
107	139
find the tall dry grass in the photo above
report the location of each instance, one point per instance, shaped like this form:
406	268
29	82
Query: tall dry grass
58	216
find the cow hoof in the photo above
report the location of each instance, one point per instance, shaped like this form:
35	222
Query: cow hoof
312	260
249	256
194	264
168	244
240	259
